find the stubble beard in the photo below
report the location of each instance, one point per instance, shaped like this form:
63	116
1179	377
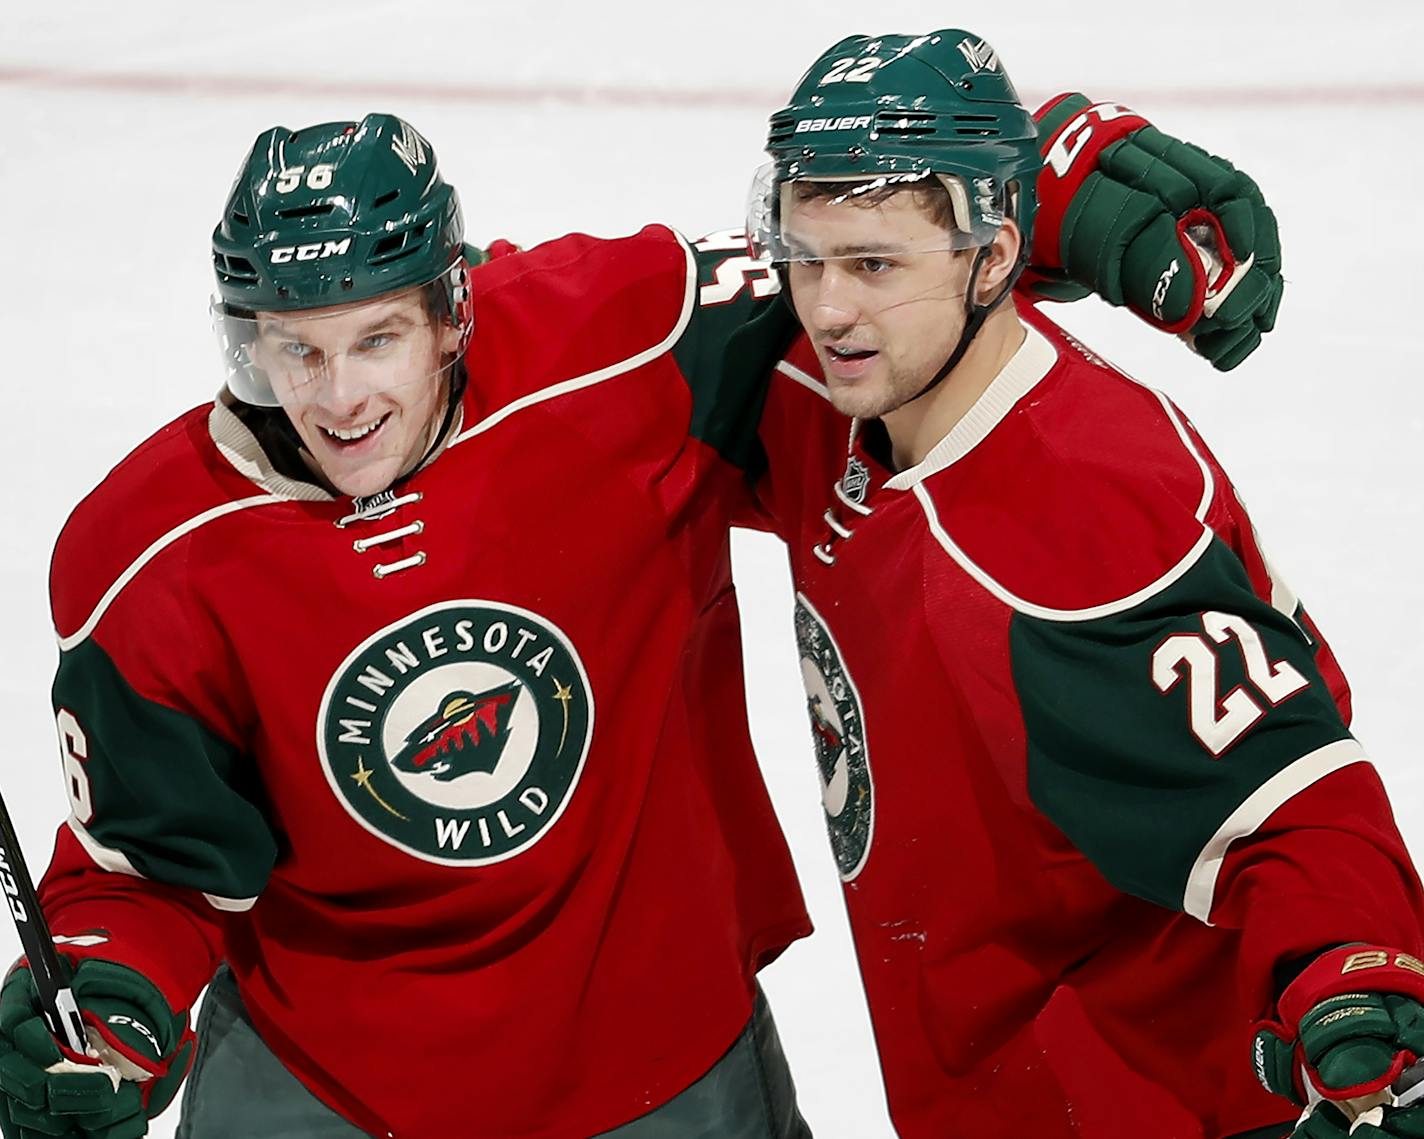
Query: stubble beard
879	397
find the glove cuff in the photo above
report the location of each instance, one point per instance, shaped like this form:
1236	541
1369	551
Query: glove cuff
1073	132
1352	969
135	1025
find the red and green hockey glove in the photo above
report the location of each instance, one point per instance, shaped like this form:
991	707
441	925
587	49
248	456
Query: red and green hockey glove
1182	238
141	1052
1352	1023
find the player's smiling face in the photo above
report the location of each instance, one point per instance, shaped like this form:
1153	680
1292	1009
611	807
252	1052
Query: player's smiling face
364	384
880	297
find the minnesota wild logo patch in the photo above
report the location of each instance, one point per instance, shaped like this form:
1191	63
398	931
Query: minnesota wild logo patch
459	733
847	791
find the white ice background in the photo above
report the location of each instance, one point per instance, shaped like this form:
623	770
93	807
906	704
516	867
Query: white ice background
123	125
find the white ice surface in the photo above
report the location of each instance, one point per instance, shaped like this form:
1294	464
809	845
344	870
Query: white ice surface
124	123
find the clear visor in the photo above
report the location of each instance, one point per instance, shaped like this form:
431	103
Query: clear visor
837	218
341	353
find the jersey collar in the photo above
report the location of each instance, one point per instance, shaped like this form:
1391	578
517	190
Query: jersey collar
1034	359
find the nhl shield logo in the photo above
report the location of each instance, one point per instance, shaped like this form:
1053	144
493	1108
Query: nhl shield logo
459	733
847	792
856	481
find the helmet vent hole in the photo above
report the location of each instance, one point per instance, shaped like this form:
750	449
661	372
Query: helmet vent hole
398	245
782	128
386	199
315	209
241	218
233	268
977	126
905	124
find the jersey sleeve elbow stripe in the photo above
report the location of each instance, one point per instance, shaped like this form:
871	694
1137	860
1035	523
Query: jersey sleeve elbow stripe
72	640
577	383
1251	814
116	862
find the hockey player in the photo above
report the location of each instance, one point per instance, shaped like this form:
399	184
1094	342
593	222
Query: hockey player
333	653
1086	763
405	678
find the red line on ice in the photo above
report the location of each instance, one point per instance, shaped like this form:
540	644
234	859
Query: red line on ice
226	86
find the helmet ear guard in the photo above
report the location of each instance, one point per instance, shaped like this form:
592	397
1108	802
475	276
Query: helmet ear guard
983	216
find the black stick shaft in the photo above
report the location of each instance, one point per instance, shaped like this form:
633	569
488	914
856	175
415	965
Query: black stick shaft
50	977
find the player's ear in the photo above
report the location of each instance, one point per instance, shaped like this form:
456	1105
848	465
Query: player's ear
449	334
999	263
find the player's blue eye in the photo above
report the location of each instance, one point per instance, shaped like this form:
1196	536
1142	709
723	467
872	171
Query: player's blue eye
874	266
296	349
376	342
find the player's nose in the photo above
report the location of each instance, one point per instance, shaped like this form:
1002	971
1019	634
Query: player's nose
834	308
342	386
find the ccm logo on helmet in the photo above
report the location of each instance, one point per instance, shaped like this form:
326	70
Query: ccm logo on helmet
314	251
849	122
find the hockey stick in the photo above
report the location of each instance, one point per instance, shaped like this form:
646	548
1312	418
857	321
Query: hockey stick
1405	1092
57	1003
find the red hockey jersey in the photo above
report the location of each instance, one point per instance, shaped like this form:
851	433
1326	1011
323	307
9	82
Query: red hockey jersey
458	779
1085	762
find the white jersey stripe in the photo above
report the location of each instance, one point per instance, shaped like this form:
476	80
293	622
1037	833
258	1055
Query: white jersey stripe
589	379
1108	608
805	379
1012	600
116	862
82	633
1262	804
1208	480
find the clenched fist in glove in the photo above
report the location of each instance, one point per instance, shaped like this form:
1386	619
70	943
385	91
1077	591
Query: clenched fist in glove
1180	237
1351	1025
141	1051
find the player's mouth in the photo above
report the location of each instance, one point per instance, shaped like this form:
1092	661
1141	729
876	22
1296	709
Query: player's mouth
356	439
847	361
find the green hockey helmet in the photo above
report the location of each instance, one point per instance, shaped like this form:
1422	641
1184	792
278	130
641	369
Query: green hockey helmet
334	213
892	111
328	215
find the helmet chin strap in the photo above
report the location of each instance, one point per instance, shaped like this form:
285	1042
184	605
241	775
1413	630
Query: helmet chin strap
975	315
454	393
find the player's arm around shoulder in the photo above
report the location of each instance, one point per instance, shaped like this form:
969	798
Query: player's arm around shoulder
1181	237
706	304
